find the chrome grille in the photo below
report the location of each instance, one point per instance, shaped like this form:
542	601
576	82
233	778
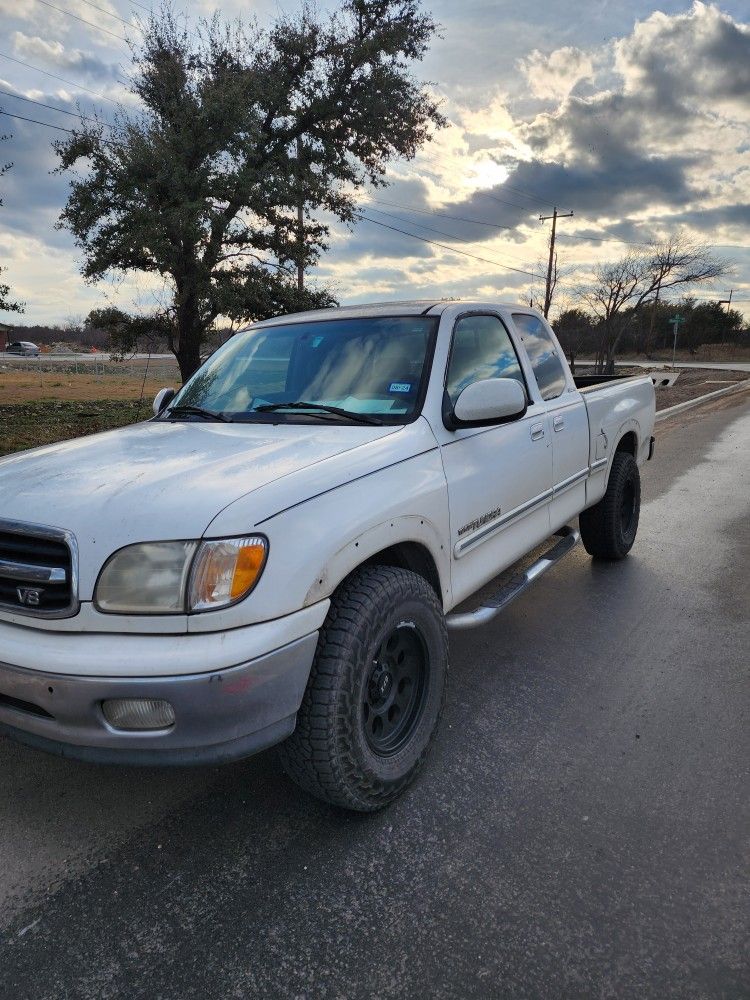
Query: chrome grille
38	570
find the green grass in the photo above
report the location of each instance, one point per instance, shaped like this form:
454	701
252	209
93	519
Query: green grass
29	425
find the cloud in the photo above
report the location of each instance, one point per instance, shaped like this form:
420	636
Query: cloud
56	55
702	55
555	75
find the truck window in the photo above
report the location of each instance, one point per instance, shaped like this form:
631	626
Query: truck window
481	349
549	372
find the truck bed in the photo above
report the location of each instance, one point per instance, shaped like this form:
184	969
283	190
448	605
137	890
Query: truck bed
589	381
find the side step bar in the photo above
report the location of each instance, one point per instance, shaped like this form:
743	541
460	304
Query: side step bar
569	538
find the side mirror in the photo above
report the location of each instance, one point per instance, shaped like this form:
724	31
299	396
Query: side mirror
162	399
489	401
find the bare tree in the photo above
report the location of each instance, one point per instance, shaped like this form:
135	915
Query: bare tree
620	289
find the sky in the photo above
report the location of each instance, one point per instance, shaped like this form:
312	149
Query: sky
635	118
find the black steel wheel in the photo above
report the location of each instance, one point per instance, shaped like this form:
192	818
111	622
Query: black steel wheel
608	529
395	690
376	690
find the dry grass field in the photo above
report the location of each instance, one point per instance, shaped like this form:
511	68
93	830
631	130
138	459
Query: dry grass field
19	386
40	407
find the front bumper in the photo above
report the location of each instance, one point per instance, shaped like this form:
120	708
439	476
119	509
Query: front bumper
219	716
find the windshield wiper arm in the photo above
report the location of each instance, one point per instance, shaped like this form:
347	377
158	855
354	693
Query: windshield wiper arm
197	411
300	404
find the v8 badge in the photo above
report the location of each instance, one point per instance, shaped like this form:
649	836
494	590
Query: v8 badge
29	597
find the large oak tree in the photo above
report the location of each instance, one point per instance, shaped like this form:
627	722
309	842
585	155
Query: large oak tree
239	126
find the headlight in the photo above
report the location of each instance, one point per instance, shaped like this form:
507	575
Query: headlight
147	579
174	578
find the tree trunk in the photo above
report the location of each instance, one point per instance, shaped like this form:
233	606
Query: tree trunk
189	330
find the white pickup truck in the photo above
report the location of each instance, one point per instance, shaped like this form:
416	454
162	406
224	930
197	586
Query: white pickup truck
278	553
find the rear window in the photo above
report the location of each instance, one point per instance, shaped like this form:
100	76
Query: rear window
540	347
481	349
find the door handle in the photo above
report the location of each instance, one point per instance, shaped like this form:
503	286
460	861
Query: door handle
537	432
558	423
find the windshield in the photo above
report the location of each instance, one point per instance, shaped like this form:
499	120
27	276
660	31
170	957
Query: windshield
374	367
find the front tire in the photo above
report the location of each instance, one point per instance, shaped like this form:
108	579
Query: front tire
376	690
608	529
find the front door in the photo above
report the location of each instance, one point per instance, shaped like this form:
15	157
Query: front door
499	477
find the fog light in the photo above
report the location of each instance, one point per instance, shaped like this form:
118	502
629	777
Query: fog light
138	713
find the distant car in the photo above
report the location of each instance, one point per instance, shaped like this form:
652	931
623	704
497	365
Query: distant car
24	348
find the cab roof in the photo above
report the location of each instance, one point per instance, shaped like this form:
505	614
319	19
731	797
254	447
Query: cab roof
412	307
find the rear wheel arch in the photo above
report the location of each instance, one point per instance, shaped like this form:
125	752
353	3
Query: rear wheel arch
628	443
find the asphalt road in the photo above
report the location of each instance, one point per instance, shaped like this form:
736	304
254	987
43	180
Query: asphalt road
579	831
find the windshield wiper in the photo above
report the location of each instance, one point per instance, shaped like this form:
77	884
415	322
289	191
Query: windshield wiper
362	418
197	411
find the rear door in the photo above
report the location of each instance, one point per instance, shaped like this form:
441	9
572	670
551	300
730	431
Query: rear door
567	415
499	477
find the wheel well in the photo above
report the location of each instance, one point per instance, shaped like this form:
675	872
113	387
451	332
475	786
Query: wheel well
409	555
629	443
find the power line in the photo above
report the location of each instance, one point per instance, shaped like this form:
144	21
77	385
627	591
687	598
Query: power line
83	20
442	215
497	225
136	4
604	239
534	197
50	107
21	118
61	79
35	121
445	246
440	232
645	243
117	17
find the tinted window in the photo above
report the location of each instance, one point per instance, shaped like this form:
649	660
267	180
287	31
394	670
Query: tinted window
549	372
371	365
482	348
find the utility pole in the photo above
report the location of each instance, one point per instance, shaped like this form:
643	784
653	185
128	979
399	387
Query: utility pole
728	304
675	321
654	307
548	291
300	221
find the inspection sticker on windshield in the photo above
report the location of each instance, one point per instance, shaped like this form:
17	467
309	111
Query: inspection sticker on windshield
399	387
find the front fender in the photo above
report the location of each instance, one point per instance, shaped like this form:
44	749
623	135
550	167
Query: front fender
410	528
315	544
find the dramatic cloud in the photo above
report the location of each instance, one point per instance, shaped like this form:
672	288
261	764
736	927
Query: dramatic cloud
703	56
553	76
637	120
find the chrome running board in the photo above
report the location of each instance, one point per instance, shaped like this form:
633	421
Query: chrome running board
489	609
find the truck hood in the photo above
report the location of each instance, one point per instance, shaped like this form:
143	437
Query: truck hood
159	481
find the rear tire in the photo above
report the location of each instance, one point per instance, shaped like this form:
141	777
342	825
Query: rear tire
375	694
608	529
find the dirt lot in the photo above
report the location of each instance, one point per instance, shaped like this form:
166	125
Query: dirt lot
692	382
